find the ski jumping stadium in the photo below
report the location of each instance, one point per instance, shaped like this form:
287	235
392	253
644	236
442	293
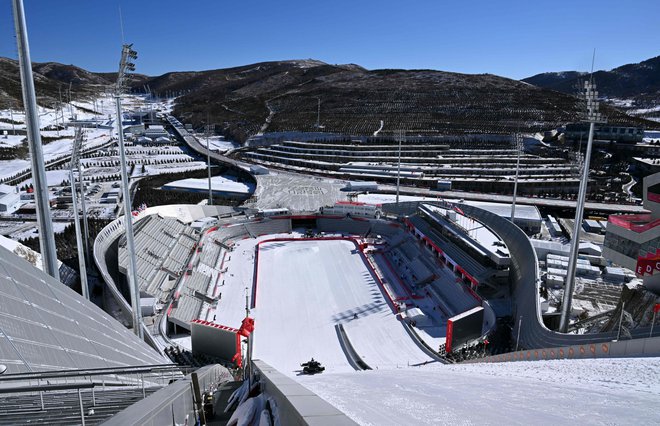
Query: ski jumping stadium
358	287
385	296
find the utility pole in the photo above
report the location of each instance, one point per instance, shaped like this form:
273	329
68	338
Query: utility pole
517	140
125	65
79	241
44	220
77	151
318	114
593	117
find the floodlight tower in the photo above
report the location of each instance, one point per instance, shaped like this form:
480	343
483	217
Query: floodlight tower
44	221
75	158
83	208
593	117
77	150
125	64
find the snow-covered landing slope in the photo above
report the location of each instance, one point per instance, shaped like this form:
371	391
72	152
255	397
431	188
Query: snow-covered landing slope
596	391
305	288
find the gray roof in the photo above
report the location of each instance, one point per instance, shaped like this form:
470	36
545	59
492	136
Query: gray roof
504	209
45	325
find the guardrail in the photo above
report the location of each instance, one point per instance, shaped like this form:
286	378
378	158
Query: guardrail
296	405
174	404
645	347
351	354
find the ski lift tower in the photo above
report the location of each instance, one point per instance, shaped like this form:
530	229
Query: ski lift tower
592	117
127	56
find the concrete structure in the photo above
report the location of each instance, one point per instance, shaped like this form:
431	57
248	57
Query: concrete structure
528	218
630	237
424	163
144	140
592	226
361	186
605	132
9	198
256	169
134	129
156	131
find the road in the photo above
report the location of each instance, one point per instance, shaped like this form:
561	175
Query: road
540	202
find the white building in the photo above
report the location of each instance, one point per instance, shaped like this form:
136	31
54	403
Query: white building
9	198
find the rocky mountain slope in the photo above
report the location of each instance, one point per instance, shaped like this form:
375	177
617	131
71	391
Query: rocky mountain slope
284	96
639	82
49	79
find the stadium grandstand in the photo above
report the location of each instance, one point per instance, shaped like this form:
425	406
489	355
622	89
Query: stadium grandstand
163	246
425	162
429	263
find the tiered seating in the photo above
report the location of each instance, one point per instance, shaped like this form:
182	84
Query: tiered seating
385	229
163	246
187	358
419	270
269	226
409	249
229	233
453	295
344	226
187	309
156	286
210	253
473	267
196	282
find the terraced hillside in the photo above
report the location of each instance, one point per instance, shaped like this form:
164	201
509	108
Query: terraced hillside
283	96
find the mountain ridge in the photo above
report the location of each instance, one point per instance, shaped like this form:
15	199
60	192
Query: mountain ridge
639	82
283	96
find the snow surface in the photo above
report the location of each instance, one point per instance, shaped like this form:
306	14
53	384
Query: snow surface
595	391
11	140
218	183
217	143
313	286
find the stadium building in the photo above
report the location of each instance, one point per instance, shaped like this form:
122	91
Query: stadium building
459	163
633	241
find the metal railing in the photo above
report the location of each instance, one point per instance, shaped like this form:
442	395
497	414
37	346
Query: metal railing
44	383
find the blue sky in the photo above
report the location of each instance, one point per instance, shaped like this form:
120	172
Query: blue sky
515	39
